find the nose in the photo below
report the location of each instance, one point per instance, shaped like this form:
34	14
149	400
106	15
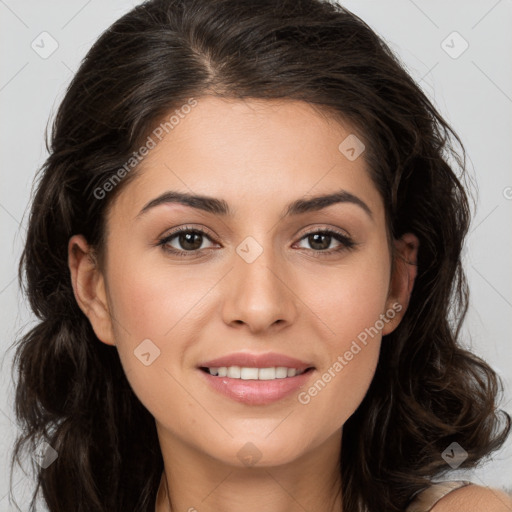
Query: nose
259	295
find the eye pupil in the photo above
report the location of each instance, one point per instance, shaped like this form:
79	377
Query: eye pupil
187	240
316	243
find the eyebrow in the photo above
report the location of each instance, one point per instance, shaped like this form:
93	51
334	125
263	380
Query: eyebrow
221	207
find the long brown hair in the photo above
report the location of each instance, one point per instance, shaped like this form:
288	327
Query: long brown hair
72	392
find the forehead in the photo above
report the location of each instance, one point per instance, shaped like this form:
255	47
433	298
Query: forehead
252	152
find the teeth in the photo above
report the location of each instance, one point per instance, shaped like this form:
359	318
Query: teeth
266	373
237	372
249	373
234	372
282	372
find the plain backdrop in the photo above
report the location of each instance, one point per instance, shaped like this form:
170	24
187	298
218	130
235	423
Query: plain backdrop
467	74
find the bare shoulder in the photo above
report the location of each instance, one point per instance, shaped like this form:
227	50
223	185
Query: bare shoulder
475	498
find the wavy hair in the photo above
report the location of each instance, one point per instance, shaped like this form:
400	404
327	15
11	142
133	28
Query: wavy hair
71	392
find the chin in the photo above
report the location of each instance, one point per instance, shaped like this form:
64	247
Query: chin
261	451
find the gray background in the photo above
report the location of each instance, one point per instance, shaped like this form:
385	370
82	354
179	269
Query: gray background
473	91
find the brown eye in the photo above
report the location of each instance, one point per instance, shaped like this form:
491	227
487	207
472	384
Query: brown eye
190	241
320	241
184	240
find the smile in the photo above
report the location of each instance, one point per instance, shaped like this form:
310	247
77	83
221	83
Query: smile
245	373
248	389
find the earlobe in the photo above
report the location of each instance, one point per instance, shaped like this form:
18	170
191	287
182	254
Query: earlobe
403	275
89	288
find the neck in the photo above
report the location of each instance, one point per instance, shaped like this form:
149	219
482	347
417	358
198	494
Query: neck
195	482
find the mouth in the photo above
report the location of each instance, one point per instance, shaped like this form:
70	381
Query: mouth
256	378
256	386
254	373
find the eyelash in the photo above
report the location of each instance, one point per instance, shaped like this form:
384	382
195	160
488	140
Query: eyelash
346	243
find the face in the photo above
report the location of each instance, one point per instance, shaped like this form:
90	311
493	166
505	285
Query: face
258	269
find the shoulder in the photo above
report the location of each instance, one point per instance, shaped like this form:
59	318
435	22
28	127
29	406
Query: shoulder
475	498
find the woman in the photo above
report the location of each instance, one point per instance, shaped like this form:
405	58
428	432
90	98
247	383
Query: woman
244	251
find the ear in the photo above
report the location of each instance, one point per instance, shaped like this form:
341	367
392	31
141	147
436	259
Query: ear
404	270
89	288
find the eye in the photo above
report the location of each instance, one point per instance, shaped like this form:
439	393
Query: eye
320	241
189	240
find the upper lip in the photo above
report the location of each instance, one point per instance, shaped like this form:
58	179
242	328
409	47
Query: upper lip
247	360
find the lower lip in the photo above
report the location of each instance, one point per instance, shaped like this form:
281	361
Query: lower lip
257	392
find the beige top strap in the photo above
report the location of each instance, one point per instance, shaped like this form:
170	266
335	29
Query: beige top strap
425	500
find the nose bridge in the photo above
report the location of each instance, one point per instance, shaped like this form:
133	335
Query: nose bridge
256	292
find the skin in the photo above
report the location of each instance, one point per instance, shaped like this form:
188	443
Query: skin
475	498
258	156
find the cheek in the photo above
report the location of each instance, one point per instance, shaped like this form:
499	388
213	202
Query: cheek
350	299
352	354
156	304
151	299
349	307
153	303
